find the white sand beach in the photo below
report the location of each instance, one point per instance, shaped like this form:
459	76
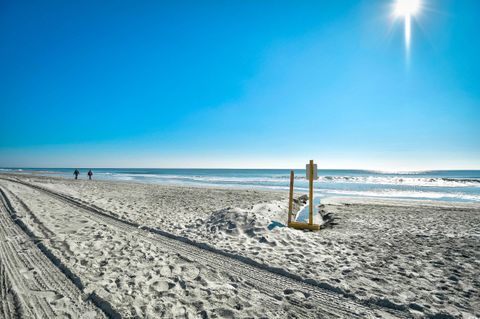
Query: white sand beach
127	249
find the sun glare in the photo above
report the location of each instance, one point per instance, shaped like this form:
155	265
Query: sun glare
407	7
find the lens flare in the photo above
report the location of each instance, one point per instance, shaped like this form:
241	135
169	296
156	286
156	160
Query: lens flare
407	9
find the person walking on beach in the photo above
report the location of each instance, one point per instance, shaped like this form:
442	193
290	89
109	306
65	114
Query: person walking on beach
90	173
76	173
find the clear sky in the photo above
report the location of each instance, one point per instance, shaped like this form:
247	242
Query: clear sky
239	84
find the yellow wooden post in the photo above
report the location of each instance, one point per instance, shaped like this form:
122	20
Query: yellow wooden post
310	197
290	200
299	225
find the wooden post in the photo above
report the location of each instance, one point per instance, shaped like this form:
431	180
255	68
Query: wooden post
290	200
310	197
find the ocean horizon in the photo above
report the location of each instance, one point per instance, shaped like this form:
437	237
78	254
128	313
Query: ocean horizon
441	185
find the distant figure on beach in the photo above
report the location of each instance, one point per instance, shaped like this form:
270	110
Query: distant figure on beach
76	173
90	173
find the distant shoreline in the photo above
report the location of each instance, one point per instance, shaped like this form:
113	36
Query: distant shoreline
329	198
451	186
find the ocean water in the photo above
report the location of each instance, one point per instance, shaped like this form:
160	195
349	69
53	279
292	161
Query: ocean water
461	186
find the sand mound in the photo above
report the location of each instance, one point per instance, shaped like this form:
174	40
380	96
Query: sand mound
236	222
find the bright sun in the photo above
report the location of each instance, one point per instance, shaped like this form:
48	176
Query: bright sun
407	7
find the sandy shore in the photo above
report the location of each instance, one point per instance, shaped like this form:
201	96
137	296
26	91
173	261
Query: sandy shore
382	258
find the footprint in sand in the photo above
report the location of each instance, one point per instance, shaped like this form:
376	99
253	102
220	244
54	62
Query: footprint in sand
190	272
295	294
179	311
161	285
165	271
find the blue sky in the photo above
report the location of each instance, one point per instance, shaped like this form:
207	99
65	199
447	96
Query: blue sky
239	84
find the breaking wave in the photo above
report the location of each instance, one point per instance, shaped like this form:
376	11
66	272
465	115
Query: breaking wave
376	180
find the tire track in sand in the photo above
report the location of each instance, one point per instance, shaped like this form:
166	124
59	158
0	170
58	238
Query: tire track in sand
9	306
31	285
319	302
